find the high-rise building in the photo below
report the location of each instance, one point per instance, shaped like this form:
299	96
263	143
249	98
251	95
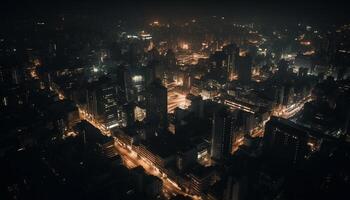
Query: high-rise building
244	68
156	105
287	141
223	129
232	53
120	78
136	81
102	104
201	178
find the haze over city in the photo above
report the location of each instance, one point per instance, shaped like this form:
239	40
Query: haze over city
167	100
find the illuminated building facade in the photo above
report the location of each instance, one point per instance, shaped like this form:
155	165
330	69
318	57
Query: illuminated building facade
103	106
136	81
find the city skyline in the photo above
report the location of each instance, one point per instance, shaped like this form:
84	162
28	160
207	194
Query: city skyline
154	100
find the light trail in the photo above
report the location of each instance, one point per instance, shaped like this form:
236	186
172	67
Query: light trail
175	99
190	59
286	113
239	141
258	132
292	109
131	159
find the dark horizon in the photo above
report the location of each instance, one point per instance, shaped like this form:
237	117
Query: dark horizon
174	100
251	10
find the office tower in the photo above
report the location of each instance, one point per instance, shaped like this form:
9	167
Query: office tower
244	69
201	178
232	53
135	86
120	78
223	129
286	141
231	66
156	105
102	104
136	81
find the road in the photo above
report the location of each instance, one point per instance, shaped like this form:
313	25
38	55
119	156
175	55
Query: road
175	99
131	159
293	109
286	113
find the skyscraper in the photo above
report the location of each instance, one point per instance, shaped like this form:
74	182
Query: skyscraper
232	53
102	104
156	105
136	81
244	68
286	140
223	129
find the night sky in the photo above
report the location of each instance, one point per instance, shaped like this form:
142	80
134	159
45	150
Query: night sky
318	11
